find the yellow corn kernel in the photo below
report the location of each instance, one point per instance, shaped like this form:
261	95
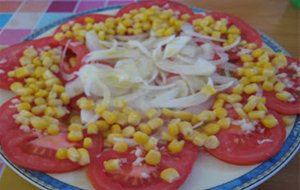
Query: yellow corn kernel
58	88
134	118
59	112
238	89
240	112
15	86
39	123
186	129
61	153
269	121
53	129
261	106
116	128
84	157
212	142
100	109
41	93
37	110
111	137
73	154
120	103
248	65
102	125
155	123
59	36
199	138
75	127
257	78
75	119
39	101
75	136
233	30
169	175
211	128
173	128
23	106
166	136
246	58
65	98
140	137
22	72
151	113
224	123
240	71
87	142
233	98
151	143
218	103
208	90
85	104
175	146
251	88
256	115
280	60
279	86
30	52
283	96
257	52
92	128
250	105
120	147
220	112
207	116
267	86
145	128
153	157
112	165
244	80
288	120
167	112
128	132
183	115
268	72
109	117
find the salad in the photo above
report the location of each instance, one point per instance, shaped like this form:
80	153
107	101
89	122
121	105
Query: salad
137	97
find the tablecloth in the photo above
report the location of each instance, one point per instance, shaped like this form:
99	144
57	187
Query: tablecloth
18	19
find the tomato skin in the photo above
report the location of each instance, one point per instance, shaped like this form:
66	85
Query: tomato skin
11	146
7	121
183	9
80	19
12	55
183	163
249	153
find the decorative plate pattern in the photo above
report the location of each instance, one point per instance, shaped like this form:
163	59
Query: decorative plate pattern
247	181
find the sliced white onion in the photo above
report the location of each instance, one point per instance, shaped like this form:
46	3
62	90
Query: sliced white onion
92	41
175	46
234	44
74	88
140	46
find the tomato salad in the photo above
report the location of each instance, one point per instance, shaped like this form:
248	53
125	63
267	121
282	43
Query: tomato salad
136	97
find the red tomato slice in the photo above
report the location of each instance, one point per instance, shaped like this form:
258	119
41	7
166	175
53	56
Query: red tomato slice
129	177
239	148
7	121
183	9
81	20
285	107
10	57
37	153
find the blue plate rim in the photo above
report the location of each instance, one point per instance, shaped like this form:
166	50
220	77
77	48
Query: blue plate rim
249	180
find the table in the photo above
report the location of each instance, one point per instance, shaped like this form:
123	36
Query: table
277	18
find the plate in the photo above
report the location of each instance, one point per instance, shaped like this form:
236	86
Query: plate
208	172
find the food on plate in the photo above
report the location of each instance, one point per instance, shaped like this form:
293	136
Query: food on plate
137	96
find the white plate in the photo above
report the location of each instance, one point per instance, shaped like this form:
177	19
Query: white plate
208	172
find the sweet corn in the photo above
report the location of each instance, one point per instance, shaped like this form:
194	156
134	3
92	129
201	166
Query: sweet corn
112	165
120	147
109	117
153	157
173	128
23	106
279	86
240	112
250	105
84	157
256	115
269	121
85	104
100	109
220	112
128	132
151	113
111	137
134	118
37	110
212	142
167	112
140	137
155	123
233	98
175	146
246	58
102	125
288	120
121	118
257	78
145	128
199	138
183	115
251	88
116	128
75	127
92	128
207	116
39	123
283	96
73	154
61	153
75	119
218	103
224	122
208	90
186	129
211	128
267	86
257	52
53	129
238	89
151	144
169	175
166	136
22	72
87	142
75	136
120	103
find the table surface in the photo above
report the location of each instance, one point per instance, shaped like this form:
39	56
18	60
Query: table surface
277	18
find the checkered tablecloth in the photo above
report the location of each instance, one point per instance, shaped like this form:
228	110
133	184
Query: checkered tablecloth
19	18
